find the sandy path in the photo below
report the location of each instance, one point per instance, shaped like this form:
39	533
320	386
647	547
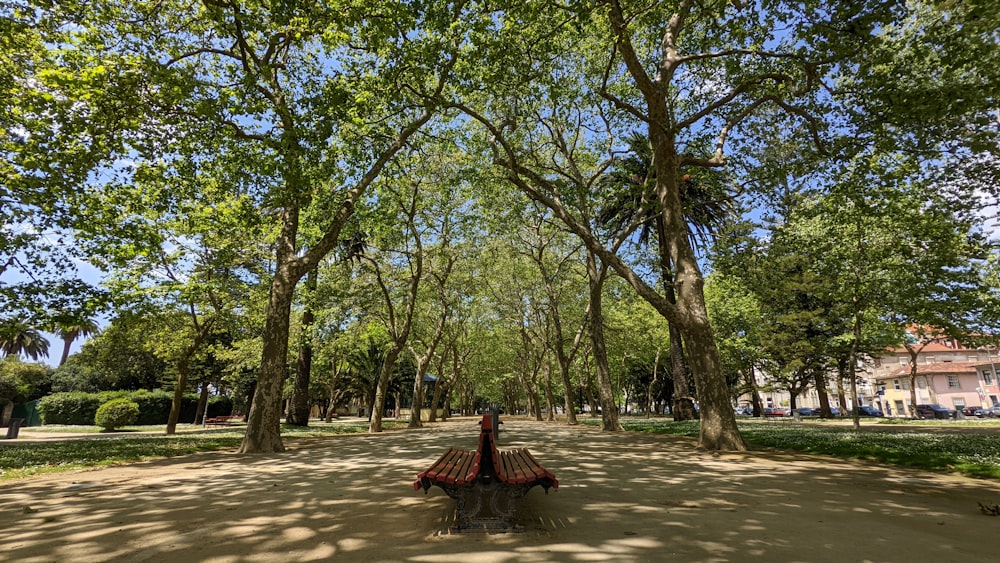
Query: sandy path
626	497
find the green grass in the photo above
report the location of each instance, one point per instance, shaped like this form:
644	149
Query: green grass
19	460
976	455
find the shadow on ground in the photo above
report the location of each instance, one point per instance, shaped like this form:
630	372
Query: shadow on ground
622	497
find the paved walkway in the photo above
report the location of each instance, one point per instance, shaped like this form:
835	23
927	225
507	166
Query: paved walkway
622	497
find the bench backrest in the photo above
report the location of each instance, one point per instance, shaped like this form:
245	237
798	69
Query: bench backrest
490	457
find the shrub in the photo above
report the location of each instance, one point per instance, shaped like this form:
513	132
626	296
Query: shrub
69	408
116	413
154	406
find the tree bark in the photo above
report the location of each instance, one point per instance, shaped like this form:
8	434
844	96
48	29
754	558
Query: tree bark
263	433
382	389
298	411
609	412
550	400
202	409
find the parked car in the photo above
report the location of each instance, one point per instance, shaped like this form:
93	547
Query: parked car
935	411
807	411
990	412
775	411
971	411
868	410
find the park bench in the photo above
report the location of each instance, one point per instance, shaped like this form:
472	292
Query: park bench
487	483
222	420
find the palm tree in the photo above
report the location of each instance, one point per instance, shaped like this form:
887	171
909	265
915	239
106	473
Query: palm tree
707	209
18	337
70	331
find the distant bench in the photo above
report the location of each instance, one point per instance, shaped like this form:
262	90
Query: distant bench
487	483
222	420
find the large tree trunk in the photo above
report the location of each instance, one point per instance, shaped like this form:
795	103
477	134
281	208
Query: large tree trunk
681	407
382	390
298	411
263	433
718	420
609	412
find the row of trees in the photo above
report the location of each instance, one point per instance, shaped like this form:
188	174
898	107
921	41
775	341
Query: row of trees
212	155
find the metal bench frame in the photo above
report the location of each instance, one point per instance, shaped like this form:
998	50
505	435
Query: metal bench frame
486	484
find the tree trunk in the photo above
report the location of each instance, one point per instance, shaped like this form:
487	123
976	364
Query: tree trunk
567	392
439	388
202	409
67	342
681	406
609	412
652	383
382	390
718	420
298	411
819	380
418	401
263	433
550	400
913	382
175	405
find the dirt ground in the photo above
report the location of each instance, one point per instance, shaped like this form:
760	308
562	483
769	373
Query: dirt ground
622	497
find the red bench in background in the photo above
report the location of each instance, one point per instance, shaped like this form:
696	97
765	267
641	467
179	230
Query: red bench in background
222	420
487	483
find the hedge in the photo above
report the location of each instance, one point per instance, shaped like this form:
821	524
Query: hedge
77	407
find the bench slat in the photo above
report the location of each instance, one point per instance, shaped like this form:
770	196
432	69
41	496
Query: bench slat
440	466
462	467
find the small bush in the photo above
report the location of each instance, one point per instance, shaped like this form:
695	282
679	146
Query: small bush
70	408
116	413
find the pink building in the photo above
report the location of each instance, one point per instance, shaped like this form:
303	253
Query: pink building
947	373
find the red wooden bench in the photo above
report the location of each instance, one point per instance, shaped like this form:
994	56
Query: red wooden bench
221	420
486	483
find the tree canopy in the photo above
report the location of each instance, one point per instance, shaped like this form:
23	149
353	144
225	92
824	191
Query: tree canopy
470	186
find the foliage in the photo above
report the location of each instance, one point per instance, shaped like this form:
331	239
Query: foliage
116	413
18	337
121	357
70	408
154	406
20	381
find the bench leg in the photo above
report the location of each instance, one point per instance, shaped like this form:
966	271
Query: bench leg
487	508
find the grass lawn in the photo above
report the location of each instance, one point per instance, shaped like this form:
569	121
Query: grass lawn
938	446
952	446
19	460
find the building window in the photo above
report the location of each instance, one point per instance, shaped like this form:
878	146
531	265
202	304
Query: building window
953	382
929	360
922	382
906	384
895	384
959	403
878	362
903	361
987	377
900	408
